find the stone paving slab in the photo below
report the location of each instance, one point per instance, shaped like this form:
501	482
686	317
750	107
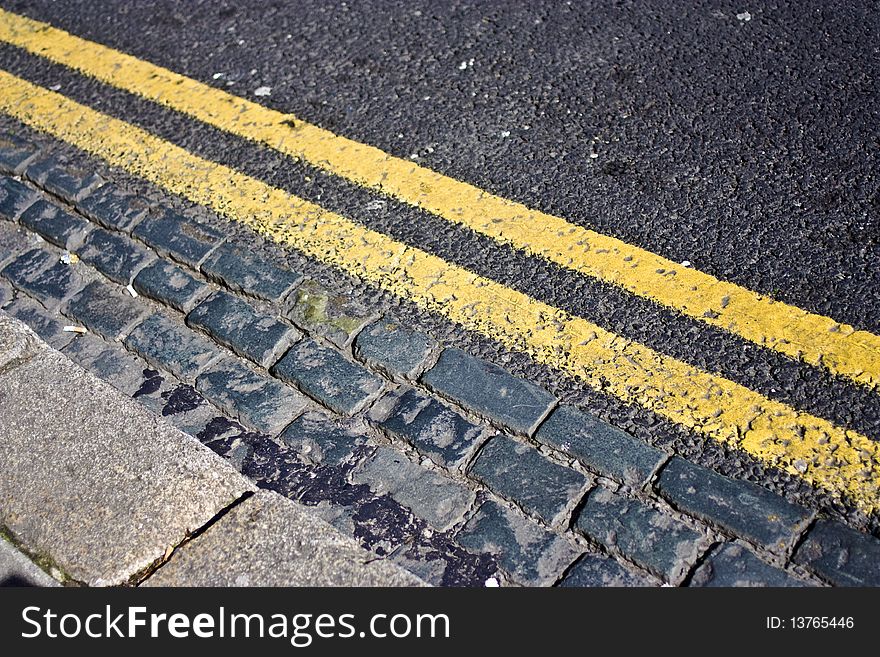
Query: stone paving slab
267	540
105	498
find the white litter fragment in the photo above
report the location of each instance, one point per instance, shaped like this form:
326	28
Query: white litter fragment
69	258
462	66
492	583
131	290
744	16
75	329
217	76
505	133
685	263
55	87
262	91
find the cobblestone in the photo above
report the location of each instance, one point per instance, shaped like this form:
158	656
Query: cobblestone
530	554
599	446
113	208
255	400
327	376
843	556
741	507
43	276
14	198
730	565
182	239
522	474
333	317
237	325
652	539
122	370
320	440
55	175
105	309
489	390
434	429
599	571
250	273
115	256
169	284
393	348
13	241
55	225
48	326
430	495
170	345
15	153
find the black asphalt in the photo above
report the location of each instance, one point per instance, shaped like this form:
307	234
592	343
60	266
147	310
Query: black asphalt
748	147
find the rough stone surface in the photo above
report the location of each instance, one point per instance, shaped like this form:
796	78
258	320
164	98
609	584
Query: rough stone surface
13	241
599	446
17	570
105	309
15	196
528	478
172	346
169	284
113	364
433	428
730	565
843	556
531	555
236	324
54	224
255	400
650	538
183	239
320	440
489	390
598	571
429	494
744	508
15	153
43	276
54	174
336	318
127	491
115	256
268	540
248	272
390	346
326	375
113	208
48	326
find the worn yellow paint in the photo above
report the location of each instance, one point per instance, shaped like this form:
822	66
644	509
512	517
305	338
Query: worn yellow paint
812	338
841	461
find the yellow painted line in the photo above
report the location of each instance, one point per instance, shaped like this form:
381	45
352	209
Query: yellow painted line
812	338
841	461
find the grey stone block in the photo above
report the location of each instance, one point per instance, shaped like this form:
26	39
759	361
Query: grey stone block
843	556
489	390
321	440
55	225
652	539
42	275
15	197
49	326
113	364
433	428
393	348
15	153
248	272
528	552
170	345
105	309
114	255
325	375
268	540
93	481
732	565
430	495
180	238
13	241
54	174
599	571
334	317
113	208
169	284
528	478
255	400
741	507
599	446
236	324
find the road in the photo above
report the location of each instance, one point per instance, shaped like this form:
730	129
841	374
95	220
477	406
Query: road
667	216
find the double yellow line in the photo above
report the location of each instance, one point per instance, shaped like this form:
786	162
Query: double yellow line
838	460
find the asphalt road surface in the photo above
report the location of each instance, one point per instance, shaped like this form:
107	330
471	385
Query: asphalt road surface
738	139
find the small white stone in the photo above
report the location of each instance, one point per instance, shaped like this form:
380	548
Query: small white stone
262	91
744	16
492	583
685	263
